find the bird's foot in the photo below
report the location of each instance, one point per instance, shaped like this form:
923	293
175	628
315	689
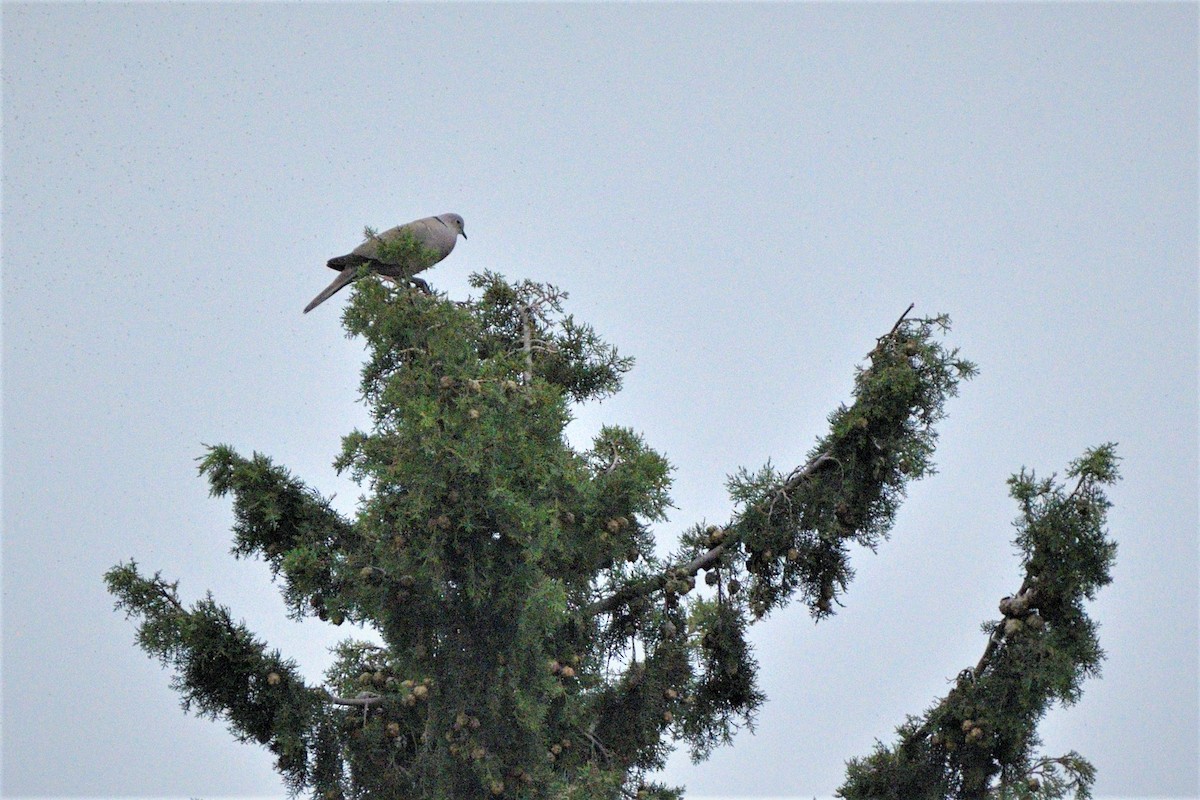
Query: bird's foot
421	284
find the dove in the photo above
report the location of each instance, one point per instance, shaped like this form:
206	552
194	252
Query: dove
436	236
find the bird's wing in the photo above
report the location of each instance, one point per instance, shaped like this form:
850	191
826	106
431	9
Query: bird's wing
418	229
348	261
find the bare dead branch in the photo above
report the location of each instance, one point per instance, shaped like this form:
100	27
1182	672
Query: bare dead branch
168	593
365	699
527	339
899	322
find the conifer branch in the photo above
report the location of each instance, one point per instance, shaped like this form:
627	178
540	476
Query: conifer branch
1010	606
655	583
709	557
984	730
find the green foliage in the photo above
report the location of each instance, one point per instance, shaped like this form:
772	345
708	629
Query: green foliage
292	528
222	670
981	739
725	691
572	357
534	645
793	531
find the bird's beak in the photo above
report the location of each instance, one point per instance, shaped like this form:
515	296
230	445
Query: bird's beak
464	234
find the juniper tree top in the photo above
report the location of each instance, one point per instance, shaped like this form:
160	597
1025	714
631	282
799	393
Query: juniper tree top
534	646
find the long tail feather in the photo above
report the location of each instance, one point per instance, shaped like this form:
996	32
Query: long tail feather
344	277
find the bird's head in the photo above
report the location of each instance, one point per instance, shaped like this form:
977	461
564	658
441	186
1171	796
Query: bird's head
455	222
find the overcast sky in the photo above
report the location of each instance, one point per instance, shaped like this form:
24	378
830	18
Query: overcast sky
740	196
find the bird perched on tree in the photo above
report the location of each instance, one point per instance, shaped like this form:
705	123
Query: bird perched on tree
400	252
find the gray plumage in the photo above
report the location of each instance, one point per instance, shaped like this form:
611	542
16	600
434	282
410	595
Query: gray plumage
436	236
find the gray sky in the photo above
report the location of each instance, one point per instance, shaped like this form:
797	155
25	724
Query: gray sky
742	197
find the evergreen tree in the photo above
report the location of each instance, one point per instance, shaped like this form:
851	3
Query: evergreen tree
533	644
